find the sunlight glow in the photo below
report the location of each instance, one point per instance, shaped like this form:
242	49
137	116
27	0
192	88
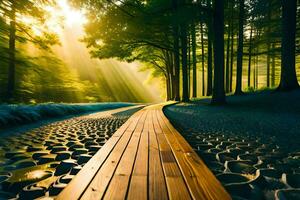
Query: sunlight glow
71	16
59	17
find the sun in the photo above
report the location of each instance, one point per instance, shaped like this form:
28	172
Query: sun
71	16
60	16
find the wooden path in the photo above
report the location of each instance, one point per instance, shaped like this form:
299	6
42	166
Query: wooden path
145	159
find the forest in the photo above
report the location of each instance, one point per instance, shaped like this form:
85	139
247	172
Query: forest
196	48
150	99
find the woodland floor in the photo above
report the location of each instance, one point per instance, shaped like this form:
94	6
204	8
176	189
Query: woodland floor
252	144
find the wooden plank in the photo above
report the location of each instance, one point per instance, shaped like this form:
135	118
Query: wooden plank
177	189
101	180
157	184
81	181
117	188
201	181
138	187
146	158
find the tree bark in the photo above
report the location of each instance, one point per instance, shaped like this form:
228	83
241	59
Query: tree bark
218	25
176	54
168	86
12	52
202	59
231	59
239	67
273	67
194	61
176	65
227	71
185	95
288	78
268	44
250	57
209	54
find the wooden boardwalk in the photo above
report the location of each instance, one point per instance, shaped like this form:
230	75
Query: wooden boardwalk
145	159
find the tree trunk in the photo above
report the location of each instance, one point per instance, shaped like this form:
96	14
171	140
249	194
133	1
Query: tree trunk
194	61
231	58
273	67
239	67
288	78
189	62
250	57
202	59
168	86
218	24
268	62
176	65
209	55
12	51
176	54
254	73
185	95
227	71
268	43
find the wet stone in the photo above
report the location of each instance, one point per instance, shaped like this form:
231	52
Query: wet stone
58	149
64	167
240	167
46	159
38	154
84	158
292	180
63	155
56	188
36	163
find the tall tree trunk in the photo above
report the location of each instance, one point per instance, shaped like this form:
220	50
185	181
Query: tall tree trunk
12	51
227	71
202	59
185	95
176	54
268	62
169	75
189	62
288	78
273	67
168	86
176	65
218	24
194	61
268	43
239	67
250	57
254	73
227	66
209	54
231	59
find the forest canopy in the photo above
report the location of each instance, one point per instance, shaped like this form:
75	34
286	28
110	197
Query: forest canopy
196	48
43	60
201	47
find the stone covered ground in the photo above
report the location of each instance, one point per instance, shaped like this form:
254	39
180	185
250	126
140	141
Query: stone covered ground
42	161
252	144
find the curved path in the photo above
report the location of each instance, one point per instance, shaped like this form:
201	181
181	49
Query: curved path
145	159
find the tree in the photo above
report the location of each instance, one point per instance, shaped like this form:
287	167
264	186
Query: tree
288	78
218	25
18	31
239	65
193	32
185	86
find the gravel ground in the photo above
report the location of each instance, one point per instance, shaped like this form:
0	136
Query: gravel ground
41	162
252	144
